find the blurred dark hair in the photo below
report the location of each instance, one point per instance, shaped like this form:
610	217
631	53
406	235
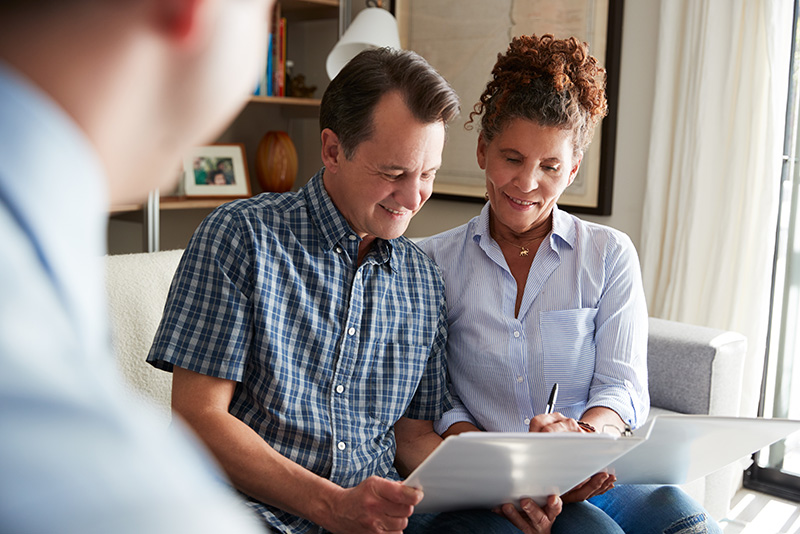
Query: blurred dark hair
37	5
349	102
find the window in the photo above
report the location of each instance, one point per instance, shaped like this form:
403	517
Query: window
776	470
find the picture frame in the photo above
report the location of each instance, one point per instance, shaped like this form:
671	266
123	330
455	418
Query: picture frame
463	49
216	171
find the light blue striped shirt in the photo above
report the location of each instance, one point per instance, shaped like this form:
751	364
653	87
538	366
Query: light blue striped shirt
582	323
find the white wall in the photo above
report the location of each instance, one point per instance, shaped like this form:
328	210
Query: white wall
637	86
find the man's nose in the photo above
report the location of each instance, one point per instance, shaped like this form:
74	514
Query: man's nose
411	193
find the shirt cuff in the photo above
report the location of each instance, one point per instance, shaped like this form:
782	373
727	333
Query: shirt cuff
451	417
629	406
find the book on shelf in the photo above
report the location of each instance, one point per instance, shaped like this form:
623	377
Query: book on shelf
273	79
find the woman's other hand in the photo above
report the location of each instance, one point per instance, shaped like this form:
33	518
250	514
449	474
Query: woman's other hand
532	519
597	485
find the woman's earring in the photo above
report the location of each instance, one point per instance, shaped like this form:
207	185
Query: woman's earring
486	196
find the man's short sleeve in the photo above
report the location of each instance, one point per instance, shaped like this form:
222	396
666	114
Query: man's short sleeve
207	323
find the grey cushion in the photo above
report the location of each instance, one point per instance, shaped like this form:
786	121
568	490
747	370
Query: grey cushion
695	369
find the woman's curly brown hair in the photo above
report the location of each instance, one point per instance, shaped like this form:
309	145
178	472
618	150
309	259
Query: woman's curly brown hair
554	82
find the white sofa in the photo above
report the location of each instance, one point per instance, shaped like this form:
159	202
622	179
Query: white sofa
692	369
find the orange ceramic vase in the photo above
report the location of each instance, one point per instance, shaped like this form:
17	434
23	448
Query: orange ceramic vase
276	162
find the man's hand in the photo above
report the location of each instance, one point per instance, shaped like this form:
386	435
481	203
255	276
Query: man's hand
376	505
533	519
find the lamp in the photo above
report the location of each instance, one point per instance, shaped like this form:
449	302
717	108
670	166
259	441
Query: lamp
373	27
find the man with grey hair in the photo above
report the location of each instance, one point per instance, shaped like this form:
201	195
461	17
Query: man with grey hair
98	100
306	335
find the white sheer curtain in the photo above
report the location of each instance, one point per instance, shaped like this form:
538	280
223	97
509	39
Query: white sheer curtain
709	220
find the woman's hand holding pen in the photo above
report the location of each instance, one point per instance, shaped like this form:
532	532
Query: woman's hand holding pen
553	422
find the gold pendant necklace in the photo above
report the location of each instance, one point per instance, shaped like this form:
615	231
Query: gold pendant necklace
523	250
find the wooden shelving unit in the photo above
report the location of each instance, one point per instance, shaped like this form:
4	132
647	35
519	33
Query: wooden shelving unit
262	113
310	9
285	101
174	203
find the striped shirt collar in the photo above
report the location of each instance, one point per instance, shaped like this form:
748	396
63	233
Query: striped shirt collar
563	227
335	230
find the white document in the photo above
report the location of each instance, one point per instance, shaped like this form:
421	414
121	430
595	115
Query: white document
682	448
487	469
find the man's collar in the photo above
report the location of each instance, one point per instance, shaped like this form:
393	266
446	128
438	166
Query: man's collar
333	227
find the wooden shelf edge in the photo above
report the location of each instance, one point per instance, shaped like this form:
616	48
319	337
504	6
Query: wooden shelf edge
174	203
193	203
124	208
286	101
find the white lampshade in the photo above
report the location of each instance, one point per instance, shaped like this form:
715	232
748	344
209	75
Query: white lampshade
373	27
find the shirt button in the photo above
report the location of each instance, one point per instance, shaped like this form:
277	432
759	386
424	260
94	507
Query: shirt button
338	250
351	331
341	446
339	389
520	379
527	421
516	333
351	237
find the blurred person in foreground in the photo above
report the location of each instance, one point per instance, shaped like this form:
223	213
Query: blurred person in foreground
537	296
95	95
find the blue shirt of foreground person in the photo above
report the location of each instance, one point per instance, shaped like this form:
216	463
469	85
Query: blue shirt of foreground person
305	335
82	125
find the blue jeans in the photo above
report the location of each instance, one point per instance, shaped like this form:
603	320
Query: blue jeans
626	509
636	509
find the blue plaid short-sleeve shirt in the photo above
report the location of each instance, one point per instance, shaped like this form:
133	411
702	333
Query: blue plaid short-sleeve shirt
328	354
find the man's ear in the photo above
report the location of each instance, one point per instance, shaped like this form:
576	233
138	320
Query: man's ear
182	21
331	149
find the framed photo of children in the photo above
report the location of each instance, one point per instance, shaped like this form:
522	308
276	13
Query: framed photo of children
216	171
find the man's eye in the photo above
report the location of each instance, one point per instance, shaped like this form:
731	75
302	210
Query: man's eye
428	176
513	160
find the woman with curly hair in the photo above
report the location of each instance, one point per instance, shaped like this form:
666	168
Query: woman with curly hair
538	297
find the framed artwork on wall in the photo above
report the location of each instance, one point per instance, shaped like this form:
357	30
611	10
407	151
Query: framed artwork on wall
464	48
218	170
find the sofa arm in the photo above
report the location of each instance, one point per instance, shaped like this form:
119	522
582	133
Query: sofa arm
137	286
695	369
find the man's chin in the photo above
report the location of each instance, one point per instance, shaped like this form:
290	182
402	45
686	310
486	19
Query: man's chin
394	232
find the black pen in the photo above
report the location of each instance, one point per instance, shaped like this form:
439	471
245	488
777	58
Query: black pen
551	402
